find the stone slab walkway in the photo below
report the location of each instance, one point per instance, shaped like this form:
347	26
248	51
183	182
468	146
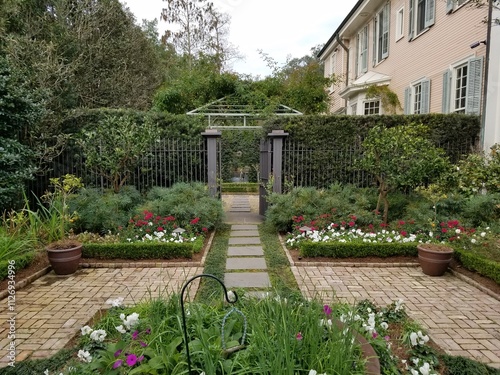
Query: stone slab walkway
51	310
460	318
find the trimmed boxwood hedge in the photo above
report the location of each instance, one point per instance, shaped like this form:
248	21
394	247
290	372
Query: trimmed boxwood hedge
240	187
356	250
474	262
21	262
142	250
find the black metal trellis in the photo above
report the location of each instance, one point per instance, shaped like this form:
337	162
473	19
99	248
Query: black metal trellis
184	327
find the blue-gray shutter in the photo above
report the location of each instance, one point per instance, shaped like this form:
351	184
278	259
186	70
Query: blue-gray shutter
474	84
430	12
449	6
364	59
426	96
411	21
407	100
446	91
385	27
375	52
358	49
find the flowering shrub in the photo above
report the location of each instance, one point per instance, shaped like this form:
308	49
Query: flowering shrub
151	227
400	232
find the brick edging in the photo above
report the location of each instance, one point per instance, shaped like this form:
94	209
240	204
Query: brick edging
24	282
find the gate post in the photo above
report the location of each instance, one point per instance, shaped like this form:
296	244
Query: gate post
265	168
277	136
211	135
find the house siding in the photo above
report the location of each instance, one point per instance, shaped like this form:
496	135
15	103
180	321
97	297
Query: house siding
428	55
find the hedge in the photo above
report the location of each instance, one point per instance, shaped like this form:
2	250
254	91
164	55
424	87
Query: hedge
142	250
356	250
21	262
474	262
240	187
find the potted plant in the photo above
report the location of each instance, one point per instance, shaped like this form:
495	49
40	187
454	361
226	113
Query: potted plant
64	254
434	258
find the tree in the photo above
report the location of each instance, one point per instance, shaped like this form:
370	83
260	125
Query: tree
115	147
18	112
400	158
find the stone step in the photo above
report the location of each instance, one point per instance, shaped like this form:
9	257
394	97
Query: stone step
244	233
233	251
238	209
244	227
244	241
246	264
247	280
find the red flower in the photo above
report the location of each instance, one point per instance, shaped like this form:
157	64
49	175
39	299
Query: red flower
195	221
204	229
401	222
299	336
403	233
444	230
352	223
160	229
147	215
354	218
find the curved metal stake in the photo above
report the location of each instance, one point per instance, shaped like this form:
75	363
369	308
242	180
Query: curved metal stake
184	313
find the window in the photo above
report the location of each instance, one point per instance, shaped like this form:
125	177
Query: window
417	97
333	66
372	107
462	87
362	51
422	15
381	34
354	109
452	5
400	22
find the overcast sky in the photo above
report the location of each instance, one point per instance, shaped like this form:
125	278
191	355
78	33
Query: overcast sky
280	28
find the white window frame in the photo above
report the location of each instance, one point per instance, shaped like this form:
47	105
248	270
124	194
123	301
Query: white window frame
362	51
333	68
417	97
381	31
400	23
454	5
354	108
422	16
368	102
455	96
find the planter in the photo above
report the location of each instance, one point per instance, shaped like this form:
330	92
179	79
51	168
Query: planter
434	259
64	256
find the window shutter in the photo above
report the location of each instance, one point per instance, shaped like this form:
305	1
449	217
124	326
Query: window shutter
430	11
446	91
364	50
426	95
411	23
385	36
358	49
375	51
449	6
407	100
474	84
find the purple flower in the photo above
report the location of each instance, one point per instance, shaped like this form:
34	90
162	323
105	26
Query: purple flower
327	310
117	364
131	360
299	336
143	344
118	352
135	335
140	358
148	331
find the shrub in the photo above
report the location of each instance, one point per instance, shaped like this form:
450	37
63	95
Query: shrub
102	212
356	250
479	264
21	261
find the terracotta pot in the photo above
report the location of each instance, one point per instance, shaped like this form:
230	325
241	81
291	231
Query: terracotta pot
64	256
434	259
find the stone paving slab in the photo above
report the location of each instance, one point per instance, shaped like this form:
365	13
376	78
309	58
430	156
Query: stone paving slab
460	318
244	227
244	233
239	209
246	264
52	309
244	241
237	251
247	280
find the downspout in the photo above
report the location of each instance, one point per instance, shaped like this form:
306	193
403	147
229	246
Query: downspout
486	70
347	70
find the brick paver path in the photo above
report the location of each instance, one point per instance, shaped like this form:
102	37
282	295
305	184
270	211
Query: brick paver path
51	310
460	318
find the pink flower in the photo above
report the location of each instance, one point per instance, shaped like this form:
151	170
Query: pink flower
118	352
387	338
117	364
131	360
299	336
147	215
195	221
374	334
135	335
327	310
143	344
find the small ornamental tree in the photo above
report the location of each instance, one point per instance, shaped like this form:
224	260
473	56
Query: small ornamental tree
401	158
115	147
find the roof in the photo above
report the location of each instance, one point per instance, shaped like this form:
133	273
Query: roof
367	79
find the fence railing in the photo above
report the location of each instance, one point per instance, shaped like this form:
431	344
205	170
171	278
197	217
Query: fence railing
167	161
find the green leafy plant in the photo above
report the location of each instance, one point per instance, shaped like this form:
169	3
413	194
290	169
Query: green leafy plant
389	99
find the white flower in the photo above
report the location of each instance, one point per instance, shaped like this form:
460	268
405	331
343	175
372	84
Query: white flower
46	372
483	234
130	321
120	329
313	372
414	372
413	339
85	331
98	335
384	325
457	231
425	369
84	356
473	240
115	302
